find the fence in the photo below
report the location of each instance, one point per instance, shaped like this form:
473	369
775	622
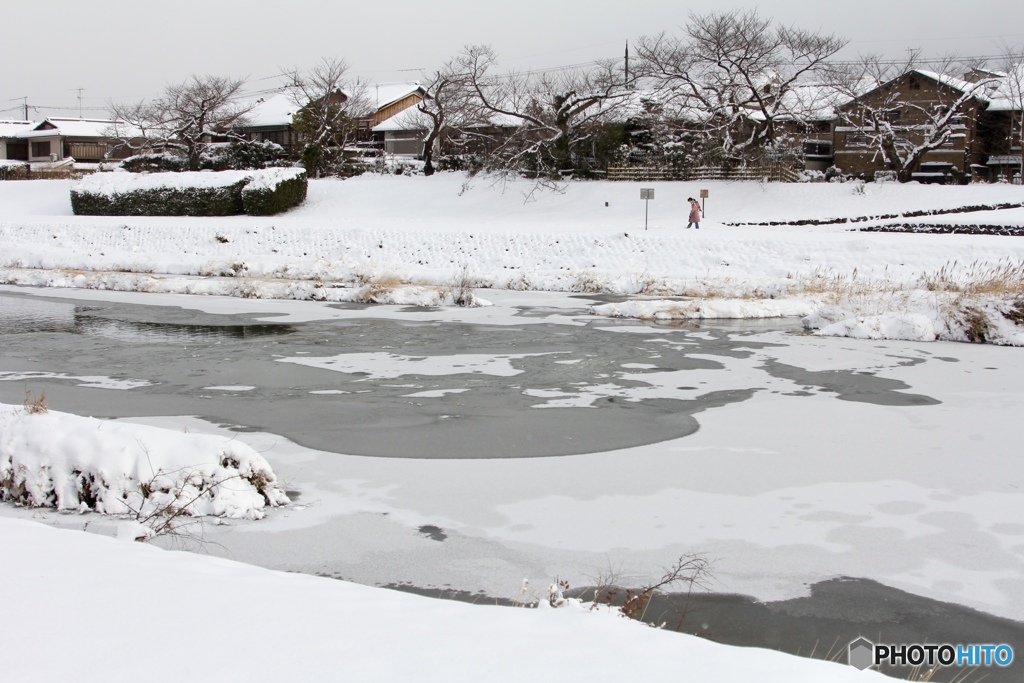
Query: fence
776	173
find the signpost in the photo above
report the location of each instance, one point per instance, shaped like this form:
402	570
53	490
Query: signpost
703	196
646	194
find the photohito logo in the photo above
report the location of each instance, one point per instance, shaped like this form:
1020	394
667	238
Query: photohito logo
862	654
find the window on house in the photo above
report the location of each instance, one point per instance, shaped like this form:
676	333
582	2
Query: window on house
817	148
41	149
890	115
856	139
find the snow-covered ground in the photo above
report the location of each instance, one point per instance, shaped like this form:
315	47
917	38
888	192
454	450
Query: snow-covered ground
91	609
361	239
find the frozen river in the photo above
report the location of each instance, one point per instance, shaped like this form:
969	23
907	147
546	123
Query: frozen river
465	450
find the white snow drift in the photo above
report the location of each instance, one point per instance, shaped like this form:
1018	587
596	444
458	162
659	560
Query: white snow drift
51	459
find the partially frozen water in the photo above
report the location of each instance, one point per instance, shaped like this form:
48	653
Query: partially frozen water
398	389
792	460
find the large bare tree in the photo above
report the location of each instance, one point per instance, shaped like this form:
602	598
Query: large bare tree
735	73
449	111
186	117
551	121
328	111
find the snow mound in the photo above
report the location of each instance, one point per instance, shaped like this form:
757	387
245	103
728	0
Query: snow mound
924	316
698	309
52	459
905	326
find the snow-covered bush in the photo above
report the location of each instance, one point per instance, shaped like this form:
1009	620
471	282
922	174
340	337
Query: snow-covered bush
886	177
242	156
274	191
53	459
228	156
810	176
160	194
187	194
155	163
13	170
834	174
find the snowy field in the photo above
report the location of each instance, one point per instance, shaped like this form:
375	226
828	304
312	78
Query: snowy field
926	499
411	240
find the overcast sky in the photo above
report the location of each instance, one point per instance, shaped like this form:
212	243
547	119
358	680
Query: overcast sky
129	49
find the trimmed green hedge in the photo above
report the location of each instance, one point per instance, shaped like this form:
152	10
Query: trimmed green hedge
258	193
275	194
191	201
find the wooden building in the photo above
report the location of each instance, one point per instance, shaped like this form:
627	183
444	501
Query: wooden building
909	107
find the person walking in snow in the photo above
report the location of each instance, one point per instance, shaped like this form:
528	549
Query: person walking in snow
694	214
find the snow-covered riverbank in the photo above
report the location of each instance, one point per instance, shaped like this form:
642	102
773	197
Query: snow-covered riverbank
389	239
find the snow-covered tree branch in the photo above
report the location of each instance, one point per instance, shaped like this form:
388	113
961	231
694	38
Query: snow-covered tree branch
734	74
186	118
328	112
552	121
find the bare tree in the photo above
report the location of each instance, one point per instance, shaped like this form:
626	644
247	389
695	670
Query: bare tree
902	113
448	107
552	120
329	109
187	117
734	73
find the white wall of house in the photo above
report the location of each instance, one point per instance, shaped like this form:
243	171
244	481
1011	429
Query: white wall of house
55	152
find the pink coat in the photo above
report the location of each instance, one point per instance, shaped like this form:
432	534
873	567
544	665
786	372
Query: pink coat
694	212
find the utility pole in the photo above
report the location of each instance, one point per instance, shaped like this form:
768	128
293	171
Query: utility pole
627	63
80	101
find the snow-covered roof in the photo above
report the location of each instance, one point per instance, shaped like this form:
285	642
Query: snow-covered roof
71	128
407	119
383	94
951	81
1004	160
273	111
1007	95
9	128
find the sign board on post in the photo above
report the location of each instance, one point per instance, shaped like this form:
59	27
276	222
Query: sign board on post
646	194
703	196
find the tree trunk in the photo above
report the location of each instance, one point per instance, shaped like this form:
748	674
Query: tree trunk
428	154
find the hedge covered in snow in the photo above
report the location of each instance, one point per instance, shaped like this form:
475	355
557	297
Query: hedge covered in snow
51	459
274	190
189	193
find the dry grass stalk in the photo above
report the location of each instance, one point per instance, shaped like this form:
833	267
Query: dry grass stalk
1003	278
36	405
